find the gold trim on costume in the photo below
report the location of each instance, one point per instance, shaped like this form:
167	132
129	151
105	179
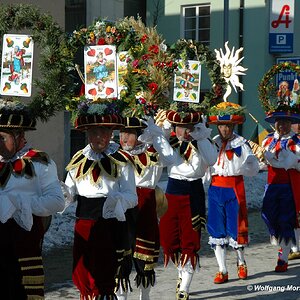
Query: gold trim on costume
145	257
30	258
33	287
145	241
33	279
35	297
108	165
31	268
151	159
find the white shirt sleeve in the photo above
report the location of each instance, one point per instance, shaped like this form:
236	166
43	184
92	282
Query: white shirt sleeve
51	199
208	151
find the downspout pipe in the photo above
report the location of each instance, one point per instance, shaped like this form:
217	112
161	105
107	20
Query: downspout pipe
241	44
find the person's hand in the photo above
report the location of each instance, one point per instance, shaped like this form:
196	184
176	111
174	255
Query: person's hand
288	158
269	156
200	131
112	207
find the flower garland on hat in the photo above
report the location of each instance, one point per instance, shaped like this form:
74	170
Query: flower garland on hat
52	85
149	66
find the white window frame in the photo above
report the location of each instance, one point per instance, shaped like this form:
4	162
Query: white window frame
197	6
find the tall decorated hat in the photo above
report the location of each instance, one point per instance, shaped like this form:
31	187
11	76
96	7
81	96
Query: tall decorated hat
226	113
126	74
93	114
15	115
282	101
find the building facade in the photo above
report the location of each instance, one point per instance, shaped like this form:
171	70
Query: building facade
243	23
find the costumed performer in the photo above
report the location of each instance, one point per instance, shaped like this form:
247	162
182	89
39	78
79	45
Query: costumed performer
227	221
30	191
281	202
140	144
180	226
101	178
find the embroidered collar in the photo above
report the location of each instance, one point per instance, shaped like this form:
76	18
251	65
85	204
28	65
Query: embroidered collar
229	147
145	159
288	142
92	155
86	162
21	164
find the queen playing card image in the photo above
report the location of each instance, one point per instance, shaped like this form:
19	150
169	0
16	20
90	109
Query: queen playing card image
100	72
16	67
187	81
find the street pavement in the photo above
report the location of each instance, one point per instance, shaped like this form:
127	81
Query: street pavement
262	282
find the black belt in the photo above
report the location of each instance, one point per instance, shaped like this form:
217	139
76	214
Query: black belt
89	208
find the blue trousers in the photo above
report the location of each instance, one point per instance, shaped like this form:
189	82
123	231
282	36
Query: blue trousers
279	211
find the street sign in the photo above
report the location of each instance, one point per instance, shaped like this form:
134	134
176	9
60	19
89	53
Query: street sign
281	32
287	75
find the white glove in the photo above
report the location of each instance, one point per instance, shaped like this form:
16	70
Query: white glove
151	131
67	195
288	158
269	156
250	166
200	131
166	128
146	137
113	208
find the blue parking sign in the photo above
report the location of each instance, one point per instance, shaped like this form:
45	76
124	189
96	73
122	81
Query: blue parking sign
281	42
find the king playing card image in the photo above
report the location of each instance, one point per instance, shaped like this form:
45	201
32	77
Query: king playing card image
16	67
187	81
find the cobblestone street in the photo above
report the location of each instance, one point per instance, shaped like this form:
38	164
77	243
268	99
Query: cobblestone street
262	282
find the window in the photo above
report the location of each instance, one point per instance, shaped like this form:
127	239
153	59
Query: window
196	23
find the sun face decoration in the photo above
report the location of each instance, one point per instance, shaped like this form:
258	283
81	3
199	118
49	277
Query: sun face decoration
230	69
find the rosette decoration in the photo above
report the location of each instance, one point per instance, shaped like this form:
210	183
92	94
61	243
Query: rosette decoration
145	81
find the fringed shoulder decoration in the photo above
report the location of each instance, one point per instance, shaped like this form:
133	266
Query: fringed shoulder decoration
95	169
185	148
144	160
22	166
121	157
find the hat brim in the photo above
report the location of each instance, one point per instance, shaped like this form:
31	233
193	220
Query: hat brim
292	117
188	118
88	121
226	119
12	127
84	127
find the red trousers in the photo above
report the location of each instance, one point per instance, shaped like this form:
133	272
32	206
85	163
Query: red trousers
177	236
97	248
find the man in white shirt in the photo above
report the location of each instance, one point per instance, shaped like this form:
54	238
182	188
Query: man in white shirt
227	221
101	178
180	227
281	203
30	191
